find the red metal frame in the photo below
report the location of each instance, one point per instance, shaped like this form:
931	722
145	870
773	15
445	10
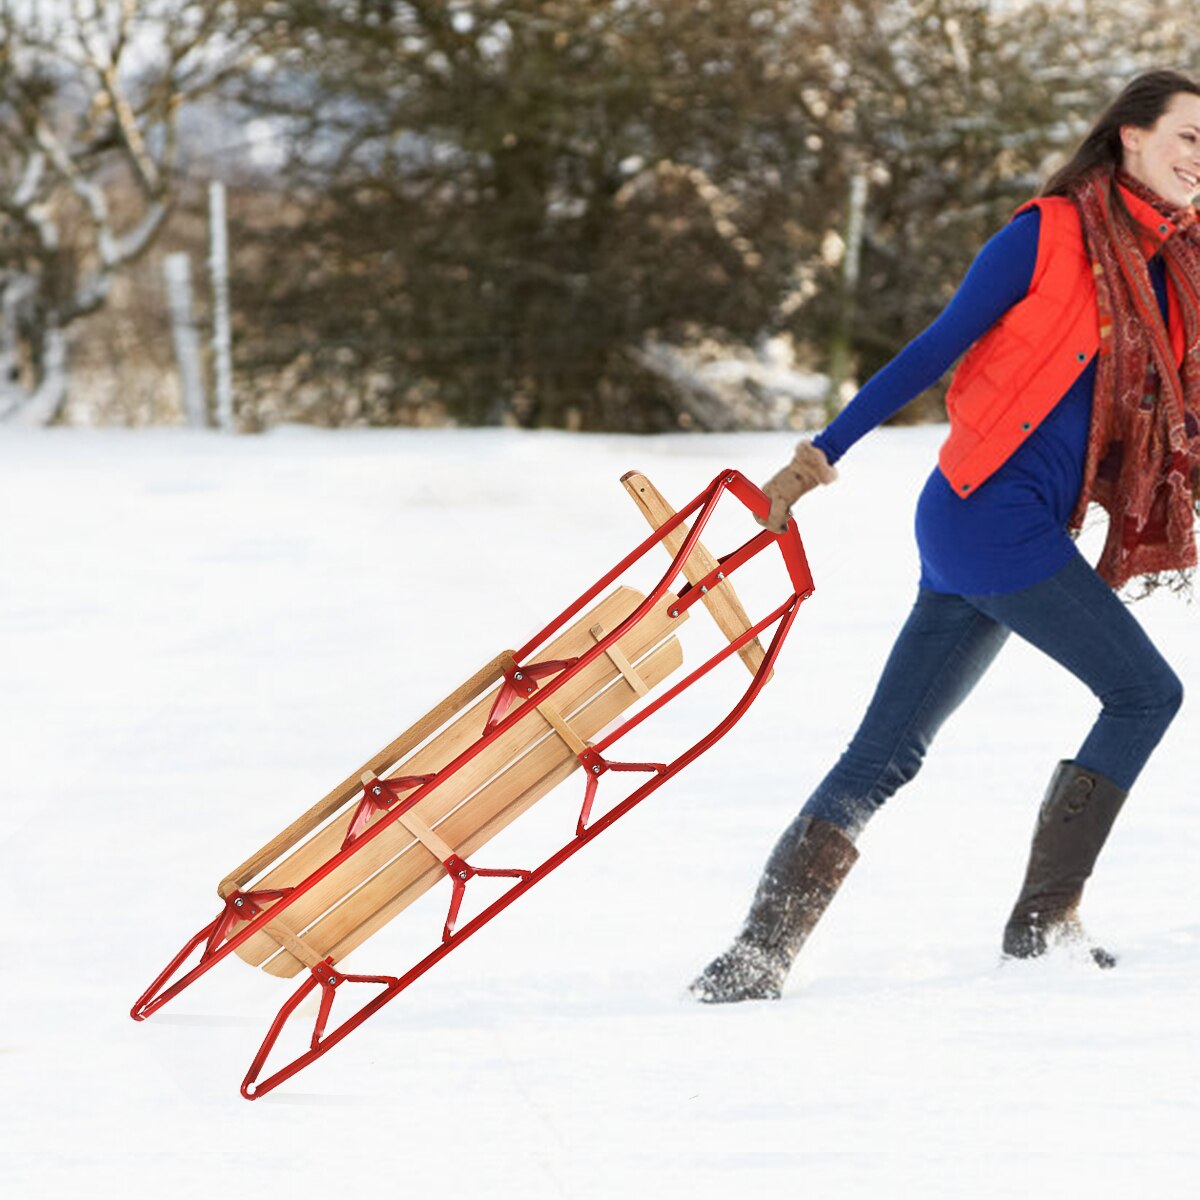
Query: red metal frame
521	680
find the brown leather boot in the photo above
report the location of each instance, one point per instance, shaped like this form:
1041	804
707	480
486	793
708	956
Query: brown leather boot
805	870
1077	813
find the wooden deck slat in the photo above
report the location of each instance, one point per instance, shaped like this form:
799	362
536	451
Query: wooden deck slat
459	735
510	794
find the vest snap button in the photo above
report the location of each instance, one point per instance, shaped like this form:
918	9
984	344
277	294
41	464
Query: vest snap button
1081	356
1025	425
966	487
1164	229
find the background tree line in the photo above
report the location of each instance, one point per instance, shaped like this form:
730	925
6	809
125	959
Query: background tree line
518	210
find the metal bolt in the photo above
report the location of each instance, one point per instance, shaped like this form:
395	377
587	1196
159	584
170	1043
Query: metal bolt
674	612
377	791
595	770
462	874
703	590
518	675
728	478
720	576
238	903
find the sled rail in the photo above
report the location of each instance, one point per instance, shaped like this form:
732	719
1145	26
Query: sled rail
327	977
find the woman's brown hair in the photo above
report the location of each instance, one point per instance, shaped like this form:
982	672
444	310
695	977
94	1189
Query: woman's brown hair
1141	102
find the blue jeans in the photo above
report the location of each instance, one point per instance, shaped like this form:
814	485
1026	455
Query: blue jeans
947	644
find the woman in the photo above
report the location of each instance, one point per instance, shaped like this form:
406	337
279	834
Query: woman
1081	385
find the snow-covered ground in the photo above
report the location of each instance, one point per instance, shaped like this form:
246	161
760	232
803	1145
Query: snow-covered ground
199	636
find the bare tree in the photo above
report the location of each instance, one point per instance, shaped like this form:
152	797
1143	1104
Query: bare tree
90	94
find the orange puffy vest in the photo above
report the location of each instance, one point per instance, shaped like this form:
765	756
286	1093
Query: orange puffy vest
1012	377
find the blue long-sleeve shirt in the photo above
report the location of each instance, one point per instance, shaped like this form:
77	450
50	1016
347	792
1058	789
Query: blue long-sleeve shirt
1010	533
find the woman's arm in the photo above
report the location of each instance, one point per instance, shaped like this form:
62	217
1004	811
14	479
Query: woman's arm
996	280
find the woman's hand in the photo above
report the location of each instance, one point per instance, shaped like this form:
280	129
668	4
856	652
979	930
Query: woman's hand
808	468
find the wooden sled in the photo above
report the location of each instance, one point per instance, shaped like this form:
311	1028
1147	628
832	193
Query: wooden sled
415	814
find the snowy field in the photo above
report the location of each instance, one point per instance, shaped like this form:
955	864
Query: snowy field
200	636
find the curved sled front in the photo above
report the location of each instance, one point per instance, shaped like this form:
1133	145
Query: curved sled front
417	812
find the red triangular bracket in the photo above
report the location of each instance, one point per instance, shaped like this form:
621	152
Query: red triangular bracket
519	684
595	765
378	796
460	871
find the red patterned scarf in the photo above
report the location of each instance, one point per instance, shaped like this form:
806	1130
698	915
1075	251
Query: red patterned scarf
1143	459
